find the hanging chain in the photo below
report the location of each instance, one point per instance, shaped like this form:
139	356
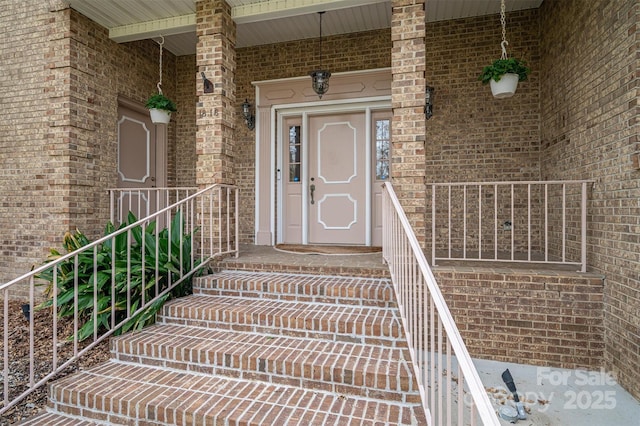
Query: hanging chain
503	21
321	13
161	43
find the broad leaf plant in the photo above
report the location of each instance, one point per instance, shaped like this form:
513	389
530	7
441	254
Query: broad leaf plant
147	275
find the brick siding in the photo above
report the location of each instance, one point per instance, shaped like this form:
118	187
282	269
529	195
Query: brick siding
589	130
63	77
185	152
524	317
473	137
58	135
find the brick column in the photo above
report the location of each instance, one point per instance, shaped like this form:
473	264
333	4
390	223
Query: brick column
407	98
215	112
73	103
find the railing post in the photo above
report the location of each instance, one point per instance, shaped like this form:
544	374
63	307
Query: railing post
433	225
237	194
111	206
583	241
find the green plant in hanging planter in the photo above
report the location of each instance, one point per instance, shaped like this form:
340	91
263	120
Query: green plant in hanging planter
500	67
160	101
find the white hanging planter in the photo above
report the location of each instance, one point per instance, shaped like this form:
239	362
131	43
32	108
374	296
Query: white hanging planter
160	116
506	87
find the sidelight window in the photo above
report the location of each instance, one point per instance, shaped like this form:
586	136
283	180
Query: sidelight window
383	141
295	151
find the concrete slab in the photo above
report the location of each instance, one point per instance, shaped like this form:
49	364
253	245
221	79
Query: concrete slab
560	397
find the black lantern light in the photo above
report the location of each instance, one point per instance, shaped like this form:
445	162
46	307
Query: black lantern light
249	118
320	77
428	102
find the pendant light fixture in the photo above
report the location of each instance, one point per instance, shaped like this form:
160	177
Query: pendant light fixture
320	77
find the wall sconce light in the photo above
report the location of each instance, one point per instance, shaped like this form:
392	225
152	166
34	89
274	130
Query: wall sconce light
208	85
428	102
249	119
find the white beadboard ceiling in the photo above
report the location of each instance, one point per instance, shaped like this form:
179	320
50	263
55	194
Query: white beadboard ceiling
267	21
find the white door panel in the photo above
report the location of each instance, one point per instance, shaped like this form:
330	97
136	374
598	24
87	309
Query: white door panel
337	170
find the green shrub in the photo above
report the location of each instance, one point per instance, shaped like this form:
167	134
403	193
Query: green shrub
113	303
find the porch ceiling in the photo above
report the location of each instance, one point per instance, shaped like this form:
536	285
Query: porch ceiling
266	21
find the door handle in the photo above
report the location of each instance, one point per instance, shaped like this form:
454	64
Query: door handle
312	188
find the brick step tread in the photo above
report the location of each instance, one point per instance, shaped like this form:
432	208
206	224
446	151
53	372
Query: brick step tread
122	393
276	267
318	364
57	419
300	287
343	322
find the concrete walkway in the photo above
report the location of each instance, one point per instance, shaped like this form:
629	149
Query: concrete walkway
561	397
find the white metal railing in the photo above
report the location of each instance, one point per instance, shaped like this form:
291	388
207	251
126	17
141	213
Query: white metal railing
520	221
143	201
210	228
450	388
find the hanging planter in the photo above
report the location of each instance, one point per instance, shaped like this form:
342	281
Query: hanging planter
504	73
159	116
160	107
505	87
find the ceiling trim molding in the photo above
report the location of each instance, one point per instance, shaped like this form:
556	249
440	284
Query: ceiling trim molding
274	9
161	27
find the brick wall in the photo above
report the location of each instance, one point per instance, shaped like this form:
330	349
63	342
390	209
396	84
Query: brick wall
62	79
473	137
185	152
528	318
589	107
24	208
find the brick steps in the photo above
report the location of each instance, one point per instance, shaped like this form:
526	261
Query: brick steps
255	349
365	370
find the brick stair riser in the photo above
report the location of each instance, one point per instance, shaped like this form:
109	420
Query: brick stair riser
315	270
362	292
410	397
159	415
317	370
182	398
387	334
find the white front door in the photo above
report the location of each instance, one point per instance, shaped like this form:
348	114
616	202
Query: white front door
329	174
337	184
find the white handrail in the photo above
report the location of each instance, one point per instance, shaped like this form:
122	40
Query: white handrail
424	315
209	219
